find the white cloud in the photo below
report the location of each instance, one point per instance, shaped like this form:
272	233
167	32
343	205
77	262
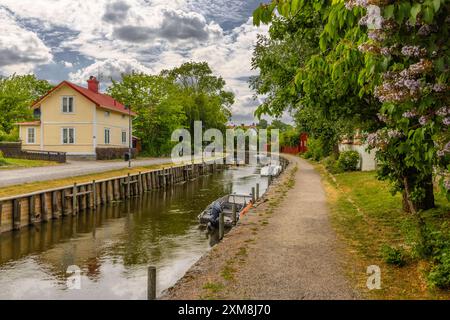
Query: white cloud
21	50
108	69
67	64
123	35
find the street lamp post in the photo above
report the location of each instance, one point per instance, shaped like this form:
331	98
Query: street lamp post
130	139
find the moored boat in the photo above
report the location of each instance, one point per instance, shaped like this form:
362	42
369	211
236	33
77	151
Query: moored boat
233	203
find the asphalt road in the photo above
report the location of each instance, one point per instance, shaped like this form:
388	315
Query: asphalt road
70	169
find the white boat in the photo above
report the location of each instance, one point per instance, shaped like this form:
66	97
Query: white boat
271	170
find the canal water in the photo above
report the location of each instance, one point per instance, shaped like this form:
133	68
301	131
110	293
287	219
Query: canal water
107	252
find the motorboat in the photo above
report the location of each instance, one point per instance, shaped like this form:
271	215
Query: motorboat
225	205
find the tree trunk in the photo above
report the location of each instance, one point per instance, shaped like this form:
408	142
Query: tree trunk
427	202
336	150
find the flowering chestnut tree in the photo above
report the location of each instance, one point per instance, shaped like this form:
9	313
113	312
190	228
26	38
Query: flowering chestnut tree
407	47
406	59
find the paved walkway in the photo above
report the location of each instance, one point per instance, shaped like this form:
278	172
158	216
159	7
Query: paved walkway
289	254
71	169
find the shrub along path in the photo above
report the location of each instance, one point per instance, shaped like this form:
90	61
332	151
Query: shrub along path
283	249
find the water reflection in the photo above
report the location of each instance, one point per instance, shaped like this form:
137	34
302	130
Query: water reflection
113	245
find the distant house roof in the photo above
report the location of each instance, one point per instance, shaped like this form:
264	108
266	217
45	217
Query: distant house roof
101	100
29	123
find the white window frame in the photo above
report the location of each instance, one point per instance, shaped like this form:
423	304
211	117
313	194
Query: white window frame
73	104
68	135
107	114
124	142
28	136
109	136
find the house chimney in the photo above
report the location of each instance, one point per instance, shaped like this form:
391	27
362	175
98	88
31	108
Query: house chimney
93	84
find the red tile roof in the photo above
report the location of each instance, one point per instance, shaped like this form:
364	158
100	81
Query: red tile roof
101	100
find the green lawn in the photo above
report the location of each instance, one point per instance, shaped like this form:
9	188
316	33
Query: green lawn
367	218
9	163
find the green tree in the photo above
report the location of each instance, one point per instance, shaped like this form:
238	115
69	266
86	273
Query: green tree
209	101
159	107
17	93
316	82
394	64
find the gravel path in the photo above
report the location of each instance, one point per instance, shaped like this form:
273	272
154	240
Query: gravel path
71	169
281	250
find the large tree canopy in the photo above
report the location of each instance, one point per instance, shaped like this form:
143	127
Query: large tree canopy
383	64
16	95
173	99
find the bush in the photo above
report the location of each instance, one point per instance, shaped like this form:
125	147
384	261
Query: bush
331	164
348	161
439	275
2	159
112	153
13	136
394	256
315	150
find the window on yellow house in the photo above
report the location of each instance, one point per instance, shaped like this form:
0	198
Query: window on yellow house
31	135
68	135
67	105
124	137
107	136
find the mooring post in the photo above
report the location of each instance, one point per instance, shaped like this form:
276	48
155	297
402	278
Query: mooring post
257	191
221	225
253	194
151	283
128	186
94	195
234	214
74	199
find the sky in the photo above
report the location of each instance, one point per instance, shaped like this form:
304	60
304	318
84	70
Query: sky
74	39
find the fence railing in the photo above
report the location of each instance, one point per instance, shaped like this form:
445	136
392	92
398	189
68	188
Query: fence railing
14	150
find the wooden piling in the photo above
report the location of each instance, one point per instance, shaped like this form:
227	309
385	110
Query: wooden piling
64	203
55	210
44	210
151	283
128	186
16	214
257	191
253	194
74	199
94	195
32	209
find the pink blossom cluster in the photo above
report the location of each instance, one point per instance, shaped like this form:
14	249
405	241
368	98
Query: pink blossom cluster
410	114
382	117
444	111
368	47
445	150
397	88
423	120
440	87
377	35
404	85
381	138
350	4
413	51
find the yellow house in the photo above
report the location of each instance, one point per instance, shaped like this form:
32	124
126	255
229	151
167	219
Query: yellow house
77	120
